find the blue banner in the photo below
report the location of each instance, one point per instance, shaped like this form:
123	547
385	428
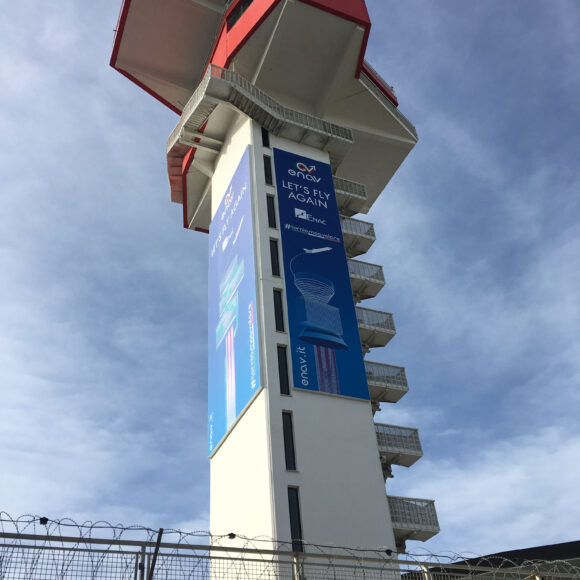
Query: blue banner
234	361
324	339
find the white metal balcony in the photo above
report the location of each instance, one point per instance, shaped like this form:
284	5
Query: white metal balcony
375	327
367	280
387	383
397	446
413	519
358	236
351	197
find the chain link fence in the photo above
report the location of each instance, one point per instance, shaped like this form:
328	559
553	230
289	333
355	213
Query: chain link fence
34	548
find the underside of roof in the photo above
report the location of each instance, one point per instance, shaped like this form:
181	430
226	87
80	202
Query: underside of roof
213	60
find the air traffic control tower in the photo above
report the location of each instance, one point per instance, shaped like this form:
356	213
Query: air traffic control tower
285	133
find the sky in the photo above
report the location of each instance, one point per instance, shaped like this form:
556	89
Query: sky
103	320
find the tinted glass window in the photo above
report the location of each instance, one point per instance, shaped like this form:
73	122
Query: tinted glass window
295	520
271	211
265	138
289	451
268	169
274	259
278	310
283	371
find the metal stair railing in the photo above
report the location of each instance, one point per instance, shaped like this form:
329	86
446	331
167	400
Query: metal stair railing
254	102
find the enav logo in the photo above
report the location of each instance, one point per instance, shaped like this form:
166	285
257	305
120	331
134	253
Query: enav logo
304	215
303	167
305	172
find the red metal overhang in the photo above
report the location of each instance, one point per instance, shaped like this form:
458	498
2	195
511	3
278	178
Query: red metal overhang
165	47
230	40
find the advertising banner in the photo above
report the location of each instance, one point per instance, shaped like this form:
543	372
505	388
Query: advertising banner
234	361
324	338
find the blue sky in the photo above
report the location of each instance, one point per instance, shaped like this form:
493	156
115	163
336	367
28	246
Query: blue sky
102	301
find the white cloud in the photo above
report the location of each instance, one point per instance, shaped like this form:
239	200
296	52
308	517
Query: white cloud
509	494
479	238
102	318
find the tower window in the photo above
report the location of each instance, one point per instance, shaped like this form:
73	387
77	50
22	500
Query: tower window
278	310
271	211
268	170
289	450
274	258
283	370
295	520
265	138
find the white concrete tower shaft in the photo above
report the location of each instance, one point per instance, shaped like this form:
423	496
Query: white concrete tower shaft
285	134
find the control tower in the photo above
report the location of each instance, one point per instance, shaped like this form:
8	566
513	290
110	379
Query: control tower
285	133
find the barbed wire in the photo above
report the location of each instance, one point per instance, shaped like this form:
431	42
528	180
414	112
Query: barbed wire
44	526
498	565
38	547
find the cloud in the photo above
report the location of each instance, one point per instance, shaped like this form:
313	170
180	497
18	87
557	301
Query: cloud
103	412
478	233
510	494
102	307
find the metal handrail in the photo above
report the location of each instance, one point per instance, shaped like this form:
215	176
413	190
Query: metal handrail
366	270
375	318
272	107
368	83
395	438
379	76
387	375
357	227
411	512
295	117
192	104
349	187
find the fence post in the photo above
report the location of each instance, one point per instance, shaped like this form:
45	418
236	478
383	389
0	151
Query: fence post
142	563
297	567
154	558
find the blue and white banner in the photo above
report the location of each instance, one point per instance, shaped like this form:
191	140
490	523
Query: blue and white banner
324	339
234	360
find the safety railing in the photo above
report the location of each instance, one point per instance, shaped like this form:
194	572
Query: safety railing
387	375
256	97
357	227
366	270
372	87
290	115
351	196
376	73
413	513
376	319
350	187
393	438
